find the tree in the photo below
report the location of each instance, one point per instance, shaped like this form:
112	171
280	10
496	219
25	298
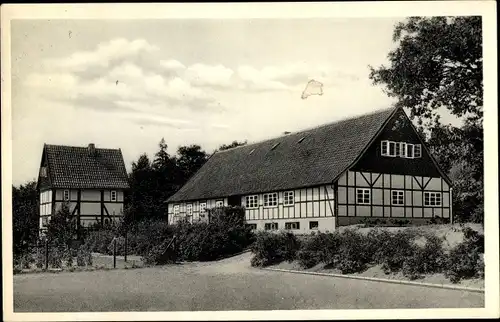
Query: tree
438	64
234	144
140	202
189	160
62	228
25	217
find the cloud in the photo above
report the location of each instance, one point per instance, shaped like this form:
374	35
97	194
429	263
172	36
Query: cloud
172	65
103	55
210	76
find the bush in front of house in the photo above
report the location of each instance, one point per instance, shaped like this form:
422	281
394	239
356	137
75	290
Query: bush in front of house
271	248
466	260
318	248
223	235
97	241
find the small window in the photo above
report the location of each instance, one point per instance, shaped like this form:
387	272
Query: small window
252	226
292	225
409	150
271	226
301	139
385	148
189	210
402	149
398	197
44	221
219	204
363	196
251	151
43	172
417	151
113	195
274	146
313	225
66	195
176	209
271	199
251	202
392	149
432	199
203	207
288	198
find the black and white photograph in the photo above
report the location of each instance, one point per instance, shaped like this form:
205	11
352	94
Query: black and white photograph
249	161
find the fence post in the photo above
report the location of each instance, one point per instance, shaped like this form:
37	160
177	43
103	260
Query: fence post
114	253
125	255
46	254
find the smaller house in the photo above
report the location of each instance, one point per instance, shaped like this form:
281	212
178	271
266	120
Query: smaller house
92	181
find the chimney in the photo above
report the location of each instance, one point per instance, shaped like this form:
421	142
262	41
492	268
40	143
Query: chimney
91	149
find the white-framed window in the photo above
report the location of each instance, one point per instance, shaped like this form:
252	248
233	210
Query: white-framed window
417	151
313	225
288	198
363	196
252	201
271	226
398	197
384	148
189	210
402	149
66	195
176	210
292	225
392	149
219	204
203	207
113	195
432	199
409	150
271	199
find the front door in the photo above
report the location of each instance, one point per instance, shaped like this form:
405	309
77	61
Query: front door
234	201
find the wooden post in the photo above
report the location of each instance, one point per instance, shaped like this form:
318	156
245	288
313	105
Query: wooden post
125	255
114	253
46	254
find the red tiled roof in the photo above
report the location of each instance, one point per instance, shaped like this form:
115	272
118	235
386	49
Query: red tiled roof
76	167
322	154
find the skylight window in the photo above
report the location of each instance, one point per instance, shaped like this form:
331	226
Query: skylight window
274	146
301	139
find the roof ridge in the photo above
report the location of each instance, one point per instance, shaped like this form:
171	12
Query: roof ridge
78	147
351	118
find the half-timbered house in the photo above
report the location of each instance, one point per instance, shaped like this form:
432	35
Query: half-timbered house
90	180
371	166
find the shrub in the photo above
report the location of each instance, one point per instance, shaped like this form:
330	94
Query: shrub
146	234
82	256
463	262
98	241
224	234
68	256
120	246
272	248
55	257
474	238
161	254
393	249
318	248
352	255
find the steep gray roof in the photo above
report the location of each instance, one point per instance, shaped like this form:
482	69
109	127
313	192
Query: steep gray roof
75	167
306	158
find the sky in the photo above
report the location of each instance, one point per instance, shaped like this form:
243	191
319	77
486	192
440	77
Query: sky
128	83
